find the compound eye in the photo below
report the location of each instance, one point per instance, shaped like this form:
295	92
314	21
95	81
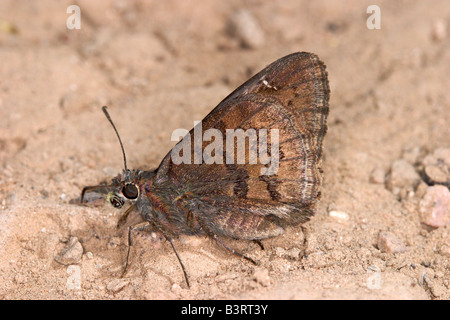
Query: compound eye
115	200
130	191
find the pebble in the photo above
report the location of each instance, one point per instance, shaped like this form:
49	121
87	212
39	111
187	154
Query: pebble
261	276
437	167
244	26
439	30
389	243
402	176
71	254
421	190
339	216
377	176
434	207
116	285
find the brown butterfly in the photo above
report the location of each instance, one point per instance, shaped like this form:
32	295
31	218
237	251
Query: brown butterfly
237	196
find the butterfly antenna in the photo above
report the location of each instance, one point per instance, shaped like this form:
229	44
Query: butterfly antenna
117	133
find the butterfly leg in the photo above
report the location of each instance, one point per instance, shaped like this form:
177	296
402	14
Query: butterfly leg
259	243
215	237
179	259
124	217
141	226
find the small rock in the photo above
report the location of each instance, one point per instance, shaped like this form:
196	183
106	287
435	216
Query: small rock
377	176
389	243
262	277
116	285
437	167
339	216
435	206
435	175
421	190
402	176
244	26
71	254
439	30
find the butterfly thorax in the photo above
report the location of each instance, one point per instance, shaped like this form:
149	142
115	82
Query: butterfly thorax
166	206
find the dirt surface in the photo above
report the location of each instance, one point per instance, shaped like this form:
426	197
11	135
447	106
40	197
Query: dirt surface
161	65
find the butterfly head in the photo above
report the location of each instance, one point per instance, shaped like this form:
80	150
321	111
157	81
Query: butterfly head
125	188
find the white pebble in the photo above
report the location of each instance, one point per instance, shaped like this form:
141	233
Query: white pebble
439	31
339	216
247	29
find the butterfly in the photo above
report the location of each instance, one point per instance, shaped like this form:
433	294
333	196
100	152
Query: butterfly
237	196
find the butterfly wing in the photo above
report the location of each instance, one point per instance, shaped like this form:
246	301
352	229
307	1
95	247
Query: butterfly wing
239	200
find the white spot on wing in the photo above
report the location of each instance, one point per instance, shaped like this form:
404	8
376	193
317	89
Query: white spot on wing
266	83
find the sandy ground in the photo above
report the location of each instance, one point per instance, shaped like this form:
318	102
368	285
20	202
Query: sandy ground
160	65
